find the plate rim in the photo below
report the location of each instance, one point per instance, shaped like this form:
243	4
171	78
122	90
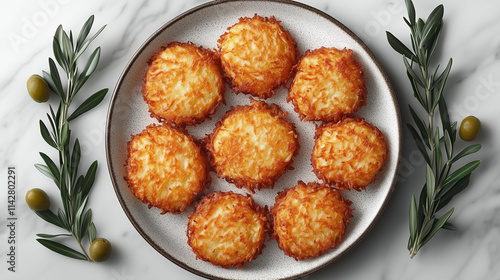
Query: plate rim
193	10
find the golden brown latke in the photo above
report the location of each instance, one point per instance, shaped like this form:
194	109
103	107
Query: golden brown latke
349	154
253	145
257	55
328	84
183	84
165	168
308	220
227	229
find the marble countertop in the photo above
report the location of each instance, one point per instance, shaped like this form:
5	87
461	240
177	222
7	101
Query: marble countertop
470	36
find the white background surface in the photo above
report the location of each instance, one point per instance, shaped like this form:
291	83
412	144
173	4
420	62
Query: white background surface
470	36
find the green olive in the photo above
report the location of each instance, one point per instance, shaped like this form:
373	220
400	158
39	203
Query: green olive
38	88
469	128
37	199
100	249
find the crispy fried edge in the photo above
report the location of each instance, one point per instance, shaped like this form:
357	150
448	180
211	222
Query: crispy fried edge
203	206
348	185
209	55
244	88
337	115
282	196
277	112
206	182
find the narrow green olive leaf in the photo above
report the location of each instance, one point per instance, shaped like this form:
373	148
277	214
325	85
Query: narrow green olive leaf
430	34
78	219
92	232
80	81
427	226
84	32
97	33
85	45
67	47
436	16
64	134
434	42
55	78
51	166
448	145
411	72
437	225
450	190
85	222
63	219
467	151
61	249
50	217
46	135
67	213
58	36
416	91
91	64
58	54
418	28
407	22
462	172
419	142
89	104
89	178
430	182
52	126
75	160
45	171
443	78
413	219
445	118
398	46
438	155
411	11
453	133
50	83
77	198
420	125
82	205
77	187
71	37
421	206
54	118
43	235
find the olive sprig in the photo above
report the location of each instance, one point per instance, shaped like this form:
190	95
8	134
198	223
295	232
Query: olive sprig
74	217
435	142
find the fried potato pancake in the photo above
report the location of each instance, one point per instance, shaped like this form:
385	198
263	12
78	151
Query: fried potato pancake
349	154
183	84
166	168
328	84
227	229
253	145
309	219
257	55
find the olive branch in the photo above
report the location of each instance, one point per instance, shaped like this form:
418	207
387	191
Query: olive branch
74	217
436	143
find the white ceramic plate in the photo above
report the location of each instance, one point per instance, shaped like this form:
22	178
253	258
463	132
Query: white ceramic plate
128	114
